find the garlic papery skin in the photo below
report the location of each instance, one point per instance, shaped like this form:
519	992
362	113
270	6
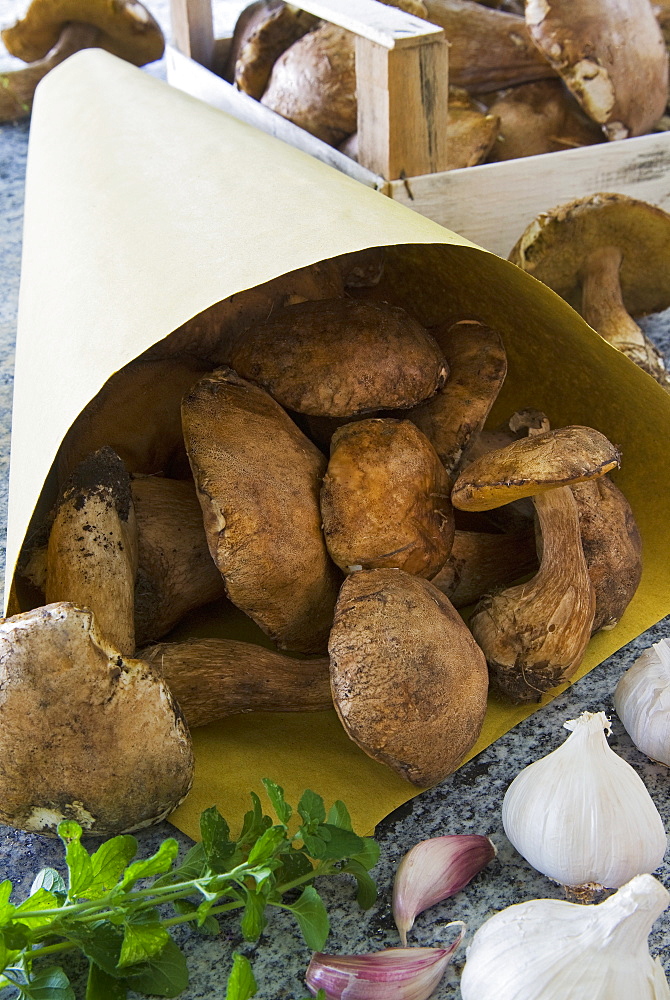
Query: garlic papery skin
393	974
433	870
581	815
642	702
550	949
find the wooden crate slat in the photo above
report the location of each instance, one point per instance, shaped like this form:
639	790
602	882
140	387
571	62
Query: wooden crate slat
384	25
193	29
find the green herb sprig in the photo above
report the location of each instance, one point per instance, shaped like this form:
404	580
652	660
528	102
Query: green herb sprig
122	927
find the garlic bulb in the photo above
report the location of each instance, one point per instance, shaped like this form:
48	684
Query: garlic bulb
581	815
549	949
642	702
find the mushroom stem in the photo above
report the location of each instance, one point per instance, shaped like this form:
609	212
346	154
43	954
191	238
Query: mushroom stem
534	635
213	678
603	309
17	88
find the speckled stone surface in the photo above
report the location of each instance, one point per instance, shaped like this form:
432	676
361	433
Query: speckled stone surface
467	802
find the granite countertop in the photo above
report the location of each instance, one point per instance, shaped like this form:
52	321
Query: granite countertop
467	802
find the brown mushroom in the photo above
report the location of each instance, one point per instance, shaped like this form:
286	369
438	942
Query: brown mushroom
342	358
612	548
125	28
490	49
17	87
532	465
456	413
409	682
86	734
471	132
606	255
212	334
481	562
175	572
534	634
385	499
540	117
262	32
214	678
137	413
313	83
612	57
92	552
258	480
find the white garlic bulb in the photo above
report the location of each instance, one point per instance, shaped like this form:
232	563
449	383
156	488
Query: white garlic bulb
549	949
642	702
582	815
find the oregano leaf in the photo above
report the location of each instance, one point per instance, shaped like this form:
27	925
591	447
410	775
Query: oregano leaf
275	794
312	918
158	863
311	807
100	986
338	815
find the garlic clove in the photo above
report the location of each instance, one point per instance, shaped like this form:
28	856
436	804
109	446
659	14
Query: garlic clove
393	974
581	815
550	949
642	702
433	870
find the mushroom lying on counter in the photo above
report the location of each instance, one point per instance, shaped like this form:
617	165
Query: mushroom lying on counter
607	255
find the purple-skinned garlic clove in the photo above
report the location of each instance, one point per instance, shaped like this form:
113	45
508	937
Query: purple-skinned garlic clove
433	870
393	974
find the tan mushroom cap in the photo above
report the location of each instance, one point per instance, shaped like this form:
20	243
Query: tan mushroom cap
263	31
533	465
126	28
555	246
85	733
611	55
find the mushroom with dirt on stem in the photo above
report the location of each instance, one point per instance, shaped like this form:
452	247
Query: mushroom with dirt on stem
534	634
606	255
92	548
114	752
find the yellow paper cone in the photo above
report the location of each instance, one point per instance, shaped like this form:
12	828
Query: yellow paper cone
144	207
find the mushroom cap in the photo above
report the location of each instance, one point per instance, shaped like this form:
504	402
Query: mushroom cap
126	28
85	734
341	358
611	55
258	480
533	465
555	246
263	31
385	499
409	682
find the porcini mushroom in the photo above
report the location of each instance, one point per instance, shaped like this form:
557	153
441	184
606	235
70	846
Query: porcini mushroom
409	682
490	49
125	28
481	562
258	478
539	117
471	132
17	87
262	32
175	572
342	358
612	548
214	678
477	365
86	734
92	551
606	255
385	499
533	465
611	55
534	634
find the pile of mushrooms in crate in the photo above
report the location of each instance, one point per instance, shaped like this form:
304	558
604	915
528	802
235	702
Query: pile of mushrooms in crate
319	456
530	78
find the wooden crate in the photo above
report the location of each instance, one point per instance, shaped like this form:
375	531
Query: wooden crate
401	69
